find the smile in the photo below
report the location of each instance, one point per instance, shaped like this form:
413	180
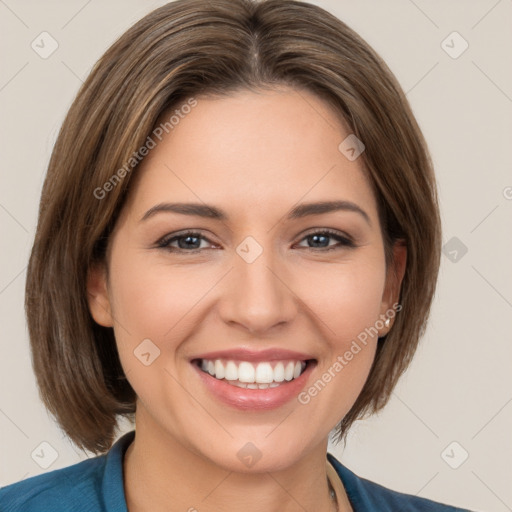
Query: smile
254	380
244	374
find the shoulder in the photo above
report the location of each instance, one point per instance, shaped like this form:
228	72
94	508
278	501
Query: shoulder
368	496
94	484
60	489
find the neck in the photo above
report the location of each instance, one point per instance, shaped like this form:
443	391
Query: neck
161	474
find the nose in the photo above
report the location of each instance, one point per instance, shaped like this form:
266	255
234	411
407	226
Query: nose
258	296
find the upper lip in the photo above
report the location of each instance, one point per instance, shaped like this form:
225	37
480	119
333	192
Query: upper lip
244	354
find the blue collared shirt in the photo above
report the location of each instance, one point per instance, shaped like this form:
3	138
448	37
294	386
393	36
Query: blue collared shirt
96	485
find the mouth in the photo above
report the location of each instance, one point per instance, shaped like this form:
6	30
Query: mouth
248	375
255	382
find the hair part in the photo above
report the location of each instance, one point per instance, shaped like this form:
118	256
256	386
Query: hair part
190	48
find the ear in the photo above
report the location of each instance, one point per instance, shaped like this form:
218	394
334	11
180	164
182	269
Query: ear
97	295
394	276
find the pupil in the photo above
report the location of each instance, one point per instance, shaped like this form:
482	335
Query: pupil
316	237
187	239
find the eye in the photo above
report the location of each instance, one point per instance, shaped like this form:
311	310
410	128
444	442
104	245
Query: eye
189	241
319	238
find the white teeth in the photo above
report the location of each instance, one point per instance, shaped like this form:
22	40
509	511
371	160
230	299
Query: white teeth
219	370
253	386
247	375
288	371
264	373
246	372
279	372
231	371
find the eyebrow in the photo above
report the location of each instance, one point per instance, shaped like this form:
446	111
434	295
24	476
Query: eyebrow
212	212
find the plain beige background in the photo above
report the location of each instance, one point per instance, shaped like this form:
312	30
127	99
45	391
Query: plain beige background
456	399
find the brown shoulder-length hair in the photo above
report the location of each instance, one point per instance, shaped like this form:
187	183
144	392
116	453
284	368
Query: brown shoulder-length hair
179	51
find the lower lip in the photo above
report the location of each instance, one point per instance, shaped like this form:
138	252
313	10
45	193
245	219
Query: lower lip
255	399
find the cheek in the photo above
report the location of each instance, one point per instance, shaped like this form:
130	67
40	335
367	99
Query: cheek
348	305
150	300
346	297
152	310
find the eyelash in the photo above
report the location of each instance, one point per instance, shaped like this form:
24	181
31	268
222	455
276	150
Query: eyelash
345	241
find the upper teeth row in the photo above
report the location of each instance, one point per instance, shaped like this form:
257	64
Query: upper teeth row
262	373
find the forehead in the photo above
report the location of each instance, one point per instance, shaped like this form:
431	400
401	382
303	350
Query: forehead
268	149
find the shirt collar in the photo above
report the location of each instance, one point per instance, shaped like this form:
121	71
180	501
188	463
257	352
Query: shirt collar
113	482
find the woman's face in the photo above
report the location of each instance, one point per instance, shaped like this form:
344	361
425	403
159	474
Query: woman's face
257	290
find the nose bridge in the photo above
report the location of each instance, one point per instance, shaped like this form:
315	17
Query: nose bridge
258	296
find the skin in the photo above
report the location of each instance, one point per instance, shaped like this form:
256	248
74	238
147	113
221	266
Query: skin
255	155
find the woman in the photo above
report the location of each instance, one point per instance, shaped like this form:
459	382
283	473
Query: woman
237	247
